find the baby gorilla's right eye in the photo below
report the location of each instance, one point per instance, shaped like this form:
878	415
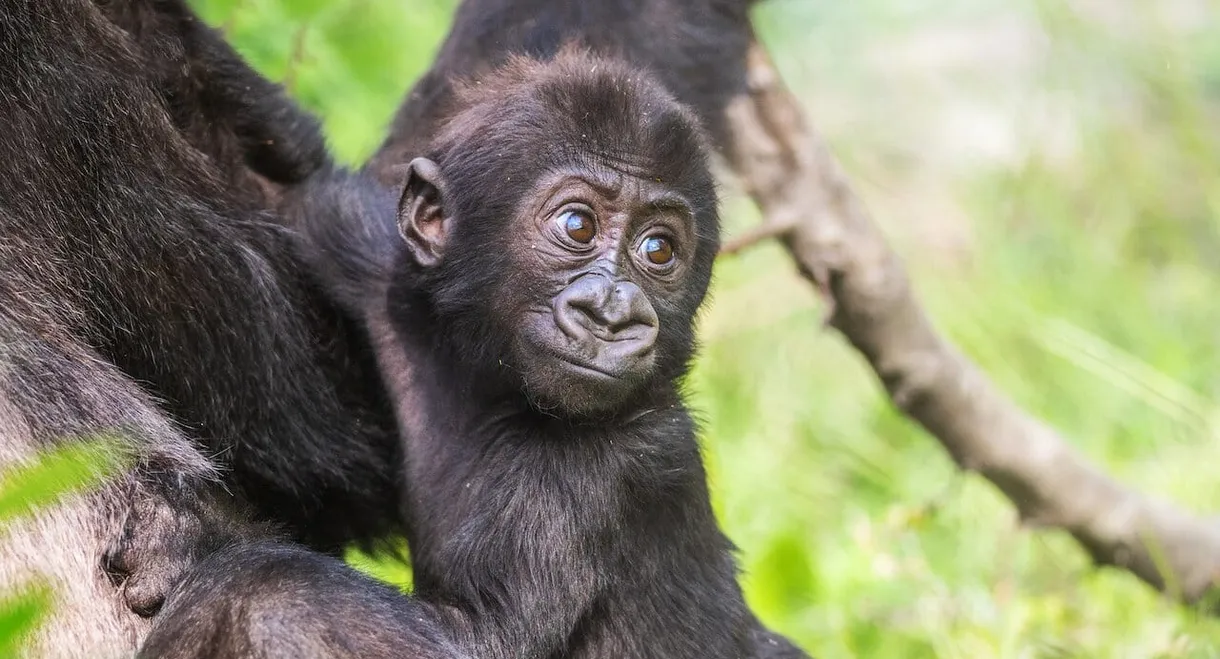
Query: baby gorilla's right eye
578	225
658	250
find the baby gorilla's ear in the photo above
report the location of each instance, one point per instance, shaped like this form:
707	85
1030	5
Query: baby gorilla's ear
423	221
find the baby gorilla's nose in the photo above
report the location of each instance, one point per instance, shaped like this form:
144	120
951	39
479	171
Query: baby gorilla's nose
598	308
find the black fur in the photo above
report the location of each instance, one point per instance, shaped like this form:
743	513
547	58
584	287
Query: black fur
258	138
142	291
265	600
179	283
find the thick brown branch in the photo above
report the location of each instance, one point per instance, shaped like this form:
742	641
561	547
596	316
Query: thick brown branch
752	237
793	177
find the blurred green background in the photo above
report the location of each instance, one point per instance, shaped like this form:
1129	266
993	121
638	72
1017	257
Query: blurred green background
1050	172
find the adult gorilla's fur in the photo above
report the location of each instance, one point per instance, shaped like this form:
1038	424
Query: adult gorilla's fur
143	293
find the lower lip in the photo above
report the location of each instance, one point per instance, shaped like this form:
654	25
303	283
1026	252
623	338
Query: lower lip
587	369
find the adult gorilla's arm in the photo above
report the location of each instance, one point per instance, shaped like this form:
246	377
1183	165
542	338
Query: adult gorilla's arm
140	295
77	140
255	135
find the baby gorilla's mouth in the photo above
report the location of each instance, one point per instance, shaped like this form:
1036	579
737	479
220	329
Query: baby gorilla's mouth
583	376
585	385
626	368
587	367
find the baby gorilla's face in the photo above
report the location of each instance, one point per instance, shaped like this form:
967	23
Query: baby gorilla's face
568	218
601	250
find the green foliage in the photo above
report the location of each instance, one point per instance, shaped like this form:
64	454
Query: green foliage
20	615
1085	288
349	61
387	566
69	469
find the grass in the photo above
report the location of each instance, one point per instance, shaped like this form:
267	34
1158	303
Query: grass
1052	177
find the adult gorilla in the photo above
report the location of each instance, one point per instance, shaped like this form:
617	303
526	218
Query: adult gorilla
143	293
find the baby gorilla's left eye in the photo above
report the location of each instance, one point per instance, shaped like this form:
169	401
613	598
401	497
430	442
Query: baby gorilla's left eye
658	250
578	226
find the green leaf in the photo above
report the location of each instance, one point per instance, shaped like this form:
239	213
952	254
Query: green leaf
20	615
67	469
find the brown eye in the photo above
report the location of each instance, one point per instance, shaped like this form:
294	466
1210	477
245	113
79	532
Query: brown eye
578	226
658	250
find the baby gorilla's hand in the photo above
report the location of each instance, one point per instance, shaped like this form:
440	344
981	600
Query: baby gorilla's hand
165	532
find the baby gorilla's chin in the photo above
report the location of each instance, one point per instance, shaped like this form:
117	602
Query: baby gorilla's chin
563	386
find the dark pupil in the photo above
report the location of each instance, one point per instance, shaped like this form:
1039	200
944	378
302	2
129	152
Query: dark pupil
579	227
658	250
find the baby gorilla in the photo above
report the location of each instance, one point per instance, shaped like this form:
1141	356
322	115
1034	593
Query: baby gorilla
532	312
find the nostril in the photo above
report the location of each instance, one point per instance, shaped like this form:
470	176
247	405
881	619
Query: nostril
587	316
574	314
613	322
568	318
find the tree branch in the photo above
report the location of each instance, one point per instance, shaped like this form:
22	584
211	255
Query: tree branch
808	203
